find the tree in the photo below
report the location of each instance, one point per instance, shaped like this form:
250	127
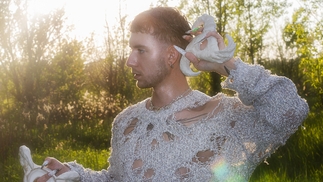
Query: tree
252	22
65	73
27	45
303	35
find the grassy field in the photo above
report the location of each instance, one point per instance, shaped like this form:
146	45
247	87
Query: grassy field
301	159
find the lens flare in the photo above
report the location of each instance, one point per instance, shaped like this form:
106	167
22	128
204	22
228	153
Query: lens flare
222	171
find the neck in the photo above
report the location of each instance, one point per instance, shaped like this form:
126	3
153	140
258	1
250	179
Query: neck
173	86
165	96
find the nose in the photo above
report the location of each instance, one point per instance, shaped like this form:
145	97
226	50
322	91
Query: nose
131	62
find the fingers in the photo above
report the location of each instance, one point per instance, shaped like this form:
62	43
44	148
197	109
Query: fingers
52	163
189	35
56	166
193	59
198	30
218	37
188	38
45	163
190	56
199	64
48	162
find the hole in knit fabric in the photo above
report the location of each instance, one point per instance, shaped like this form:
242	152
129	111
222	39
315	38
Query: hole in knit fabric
191	116
168	136
150	127
232	124
220	140
182	172
154	142
149	173
137	164
131	126
203	156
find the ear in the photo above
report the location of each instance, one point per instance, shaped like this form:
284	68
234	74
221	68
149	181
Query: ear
173	55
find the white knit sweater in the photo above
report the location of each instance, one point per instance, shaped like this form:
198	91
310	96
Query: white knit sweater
202	138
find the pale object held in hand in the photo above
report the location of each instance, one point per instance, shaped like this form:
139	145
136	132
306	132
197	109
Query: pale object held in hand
33	171
211	52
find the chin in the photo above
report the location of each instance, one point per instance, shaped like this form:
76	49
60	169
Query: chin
143	86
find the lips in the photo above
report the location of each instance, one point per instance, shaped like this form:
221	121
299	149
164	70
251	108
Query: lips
136	75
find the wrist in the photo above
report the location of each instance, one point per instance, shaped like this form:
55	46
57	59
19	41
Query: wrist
225	67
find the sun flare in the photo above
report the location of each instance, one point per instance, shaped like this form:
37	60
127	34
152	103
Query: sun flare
90	16
40	7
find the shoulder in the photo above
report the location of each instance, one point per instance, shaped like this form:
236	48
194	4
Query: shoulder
131	111
232	104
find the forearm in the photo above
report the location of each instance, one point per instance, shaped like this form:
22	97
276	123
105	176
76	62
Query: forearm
274	97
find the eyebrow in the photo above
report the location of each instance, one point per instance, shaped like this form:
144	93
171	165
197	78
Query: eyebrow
138	46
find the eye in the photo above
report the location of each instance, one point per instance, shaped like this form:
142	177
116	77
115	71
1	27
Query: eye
141	51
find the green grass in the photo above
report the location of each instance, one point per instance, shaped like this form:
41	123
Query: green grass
301	159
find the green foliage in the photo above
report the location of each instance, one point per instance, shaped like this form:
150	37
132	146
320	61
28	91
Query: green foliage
65	74
252	22
304	37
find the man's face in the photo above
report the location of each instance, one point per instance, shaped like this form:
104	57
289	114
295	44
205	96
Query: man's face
147	60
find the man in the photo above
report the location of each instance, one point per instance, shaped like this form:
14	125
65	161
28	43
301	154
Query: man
181	134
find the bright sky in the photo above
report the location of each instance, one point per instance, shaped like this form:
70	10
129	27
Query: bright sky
91	15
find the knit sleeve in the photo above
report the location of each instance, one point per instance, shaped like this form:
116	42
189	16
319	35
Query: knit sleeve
278	110
115	170
89	175
105	175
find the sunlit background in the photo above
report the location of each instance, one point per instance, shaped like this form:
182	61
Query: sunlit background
91	16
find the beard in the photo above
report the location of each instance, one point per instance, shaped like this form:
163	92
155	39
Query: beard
154	79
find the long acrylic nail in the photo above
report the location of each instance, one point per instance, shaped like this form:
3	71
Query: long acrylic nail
180	50
195	29
44	164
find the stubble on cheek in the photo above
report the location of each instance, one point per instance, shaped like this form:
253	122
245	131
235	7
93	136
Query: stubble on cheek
156	76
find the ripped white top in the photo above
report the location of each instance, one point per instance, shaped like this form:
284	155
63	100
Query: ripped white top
202	138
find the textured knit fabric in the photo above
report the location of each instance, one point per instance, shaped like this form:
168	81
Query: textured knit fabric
202	138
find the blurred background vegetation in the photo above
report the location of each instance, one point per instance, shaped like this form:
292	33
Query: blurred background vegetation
59	95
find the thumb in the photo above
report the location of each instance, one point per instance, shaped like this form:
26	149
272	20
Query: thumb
51	163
